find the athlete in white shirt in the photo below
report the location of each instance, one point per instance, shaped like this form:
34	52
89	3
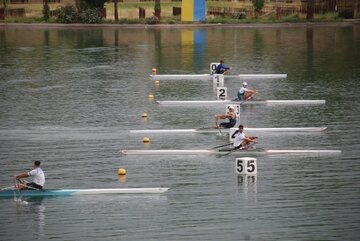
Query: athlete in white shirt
246	93
37	175
241	140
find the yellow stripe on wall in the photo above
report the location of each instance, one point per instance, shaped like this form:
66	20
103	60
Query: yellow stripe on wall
187	49
187	10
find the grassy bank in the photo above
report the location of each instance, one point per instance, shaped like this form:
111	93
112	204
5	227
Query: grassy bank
129	13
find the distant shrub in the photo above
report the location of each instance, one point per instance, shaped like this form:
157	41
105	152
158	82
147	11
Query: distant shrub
130	21
67	14
152	20
292	18
239	15
346	13
172	20
330	16
90	16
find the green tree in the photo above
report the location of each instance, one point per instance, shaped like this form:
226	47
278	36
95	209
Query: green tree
116	14
310	10
157	9
46	10
258	6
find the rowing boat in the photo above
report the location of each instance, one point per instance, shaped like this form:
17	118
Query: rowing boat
216	130
210	77
237	152
215	102
71	192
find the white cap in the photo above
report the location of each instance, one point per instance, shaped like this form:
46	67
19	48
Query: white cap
231	107
244	83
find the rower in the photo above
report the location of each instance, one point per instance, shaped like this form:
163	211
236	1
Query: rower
37	175
245	93
241	140
231	115
221	68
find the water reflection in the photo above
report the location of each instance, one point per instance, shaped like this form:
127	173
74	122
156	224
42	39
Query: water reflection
122	178
247	186
33	208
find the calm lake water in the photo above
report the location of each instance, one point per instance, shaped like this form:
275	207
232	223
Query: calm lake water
69	97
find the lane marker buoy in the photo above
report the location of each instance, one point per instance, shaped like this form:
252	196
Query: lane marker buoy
121	171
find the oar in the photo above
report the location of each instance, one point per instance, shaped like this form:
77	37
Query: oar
6	188
221	146
240	150
207	128
230	152
34	188
23	182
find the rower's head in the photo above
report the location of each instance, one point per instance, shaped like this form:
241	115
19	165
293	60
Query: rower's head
244	84
241	128
37	163
221	61
231	108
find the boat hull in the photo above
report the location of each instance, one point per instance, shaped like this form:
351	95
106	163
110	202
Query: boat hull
71	192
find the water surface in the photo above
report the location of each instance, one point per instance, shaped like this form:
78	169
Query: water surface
69	97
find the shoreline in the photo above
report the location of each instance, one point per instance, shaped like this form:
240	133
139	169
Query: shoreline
195	25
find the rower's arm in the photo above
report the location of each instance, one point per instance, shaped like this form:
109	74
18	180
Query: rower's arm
22	175
251	138
222	116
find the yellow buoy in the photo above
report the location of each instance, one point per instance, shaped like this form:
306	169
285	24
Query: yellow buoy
153	71
121	171
146	139
150	97
157	82
144	115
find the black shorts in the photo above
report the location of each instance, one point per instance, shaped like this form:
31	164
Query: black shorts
226	125
33	185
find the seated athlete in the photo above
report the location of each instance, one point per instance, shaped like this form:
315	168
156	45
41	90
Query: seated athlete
38	178
246	93
221	68
231	115
241	140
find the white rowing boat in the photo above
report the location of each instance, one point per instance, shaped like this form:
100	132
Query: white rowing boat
210	77
212	130
253	102
71	192
238	152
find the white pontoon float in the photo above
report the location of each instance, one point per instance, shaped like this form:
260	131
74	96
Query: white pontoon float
215	130
253	102
237	152
210	77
